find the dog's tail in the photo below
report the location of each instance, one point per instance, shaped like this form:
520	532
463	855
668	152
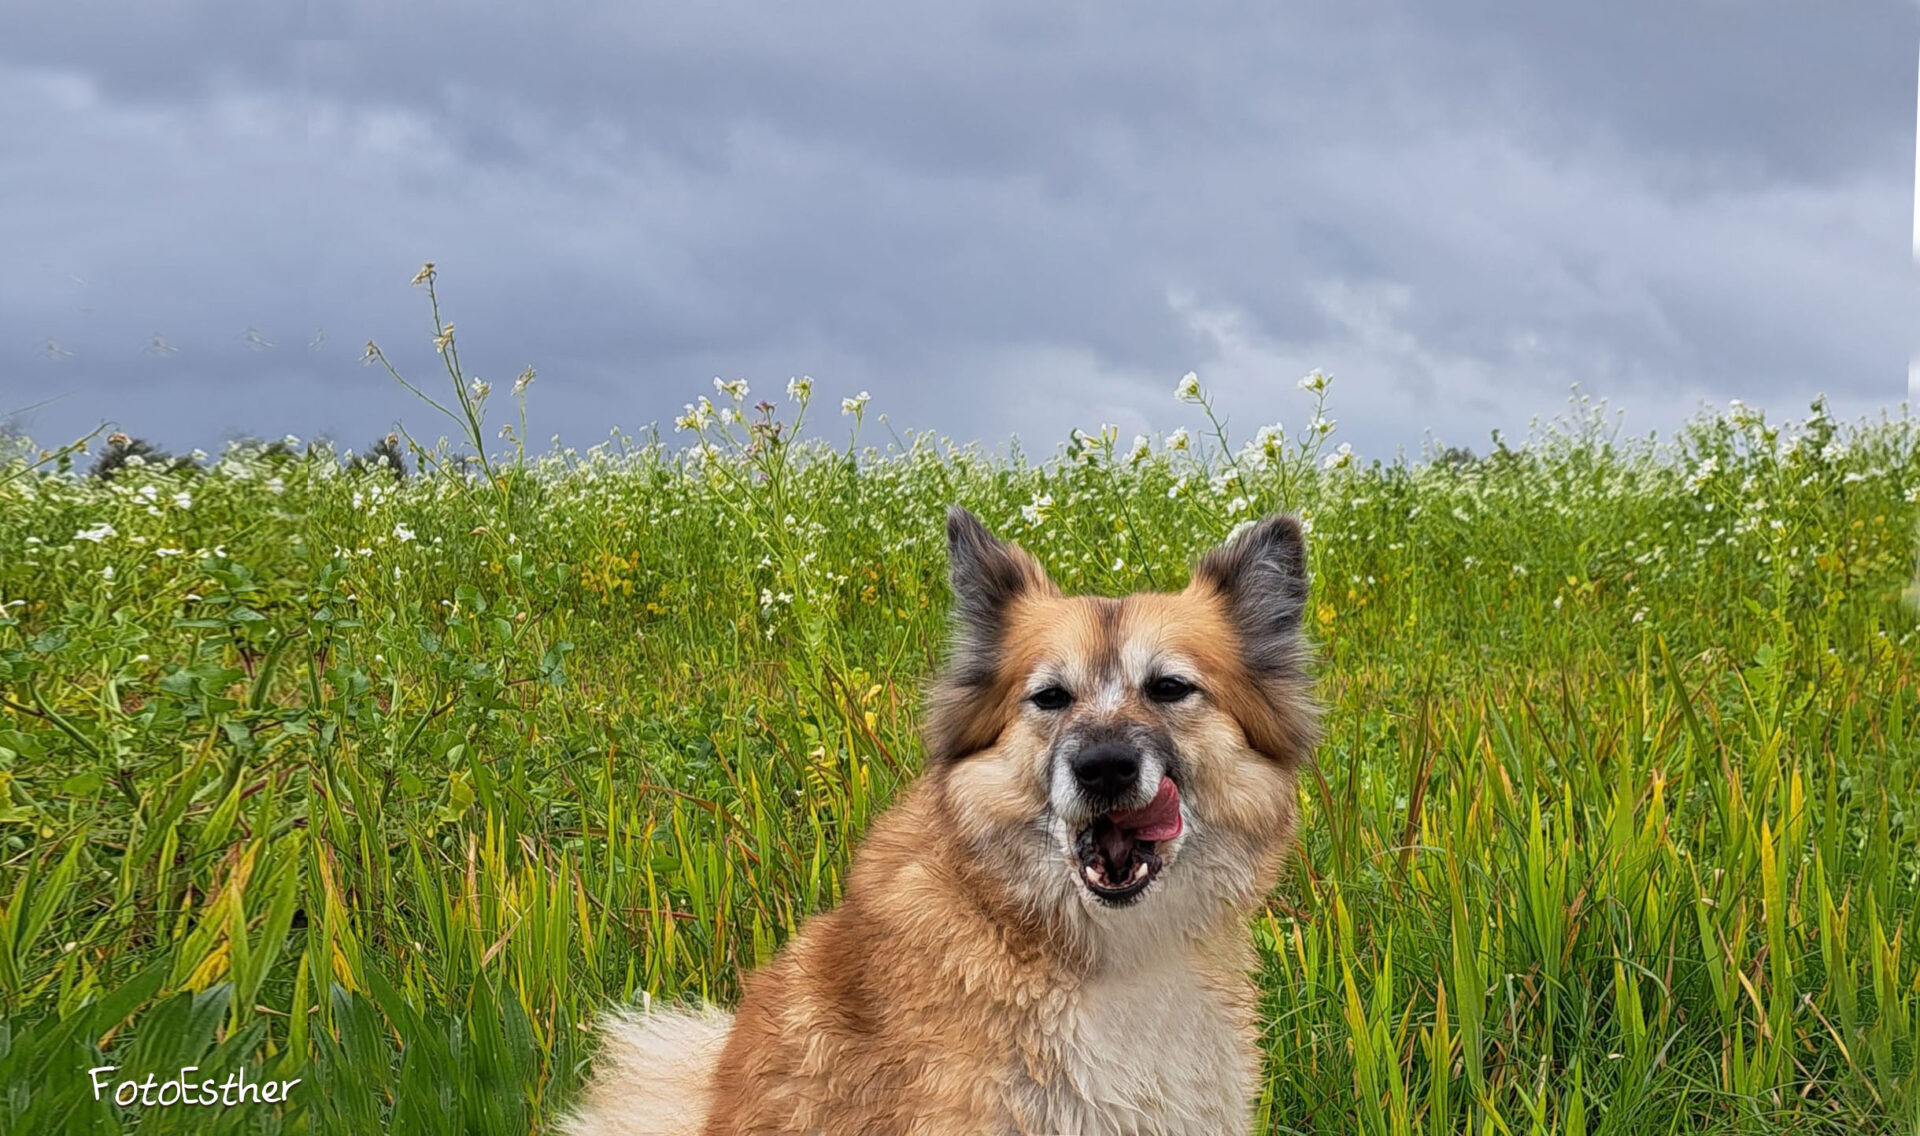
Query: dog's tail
653	1075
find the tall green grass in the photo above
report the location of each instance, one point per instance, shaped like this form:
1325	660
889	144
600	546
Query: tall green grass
394	785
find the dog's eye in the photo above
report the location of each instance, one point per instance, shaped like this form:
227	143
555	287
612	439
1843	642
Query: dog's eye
1052	698
1166	688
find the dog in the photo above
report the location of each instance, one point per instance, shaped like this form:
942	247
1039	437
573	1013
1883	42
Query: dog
1047	933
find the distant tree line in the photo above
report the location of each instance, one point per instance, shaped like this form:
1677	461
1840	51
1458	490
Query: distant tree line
384	456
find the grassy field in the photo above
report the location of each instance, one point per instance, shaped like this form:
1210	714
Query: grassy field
392	784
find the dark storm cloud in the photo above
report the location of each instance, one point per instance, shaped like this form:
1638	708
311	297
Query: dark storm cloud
995	217
1764	91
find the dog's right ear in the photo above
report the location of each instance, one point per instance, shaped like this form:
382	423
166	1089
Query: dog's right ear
988	575
966	710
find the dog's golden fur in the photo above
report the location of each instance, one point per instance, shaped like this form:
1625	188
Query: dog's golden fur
972	982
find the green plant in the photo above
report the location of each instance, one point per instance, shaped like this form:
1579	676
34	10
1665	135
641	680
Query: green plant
393	785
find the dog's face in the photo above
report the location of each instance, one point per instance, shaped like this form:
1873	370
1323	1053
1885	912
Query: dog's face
1100	753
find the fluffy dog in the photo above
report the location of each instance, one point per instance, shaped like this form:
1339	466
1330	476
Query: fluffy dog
1047	932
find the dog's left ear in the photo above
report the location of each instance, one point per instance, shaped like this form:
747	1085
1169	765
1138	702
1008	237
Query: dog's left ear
1261	578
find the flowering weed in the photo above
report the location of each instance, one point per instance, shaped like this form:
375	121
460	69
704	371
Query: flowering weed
391	784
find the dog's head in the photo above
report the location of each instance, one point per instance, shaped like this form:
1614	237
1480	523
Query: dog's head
1106	754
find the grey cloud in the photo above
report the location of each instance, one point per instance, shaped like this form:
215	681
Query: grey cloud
982	213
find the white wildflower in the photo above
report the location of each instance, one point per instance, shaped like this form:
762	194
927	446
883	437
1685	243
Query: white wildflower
1188	389
1704	472
856	404
97	533
402	533
1340	458
800	389
735	390
183	500
1316	381
1177	442
1040	509
698	416
1142	450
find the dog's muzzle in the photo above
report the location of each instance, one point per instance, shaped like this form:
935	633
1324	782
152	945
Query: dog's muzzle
1122	848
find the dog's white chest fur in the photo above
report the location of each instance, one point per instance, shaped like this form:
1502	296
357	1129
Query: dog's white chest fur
1148	1053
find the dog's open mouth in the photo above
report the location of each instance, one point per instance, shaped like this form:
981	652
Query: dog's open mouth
1120	852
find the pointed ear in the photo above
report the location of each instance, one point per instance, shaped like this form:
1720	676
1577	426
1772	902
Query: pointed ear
1261	578
966	707
987	575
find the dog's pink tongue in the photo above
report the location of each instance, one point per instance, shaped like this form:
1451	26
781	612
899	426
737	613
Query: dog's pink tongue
1159	820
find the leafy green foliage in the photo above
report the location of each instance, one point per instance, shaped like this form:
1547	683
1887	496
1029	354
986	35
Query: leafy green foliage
393	785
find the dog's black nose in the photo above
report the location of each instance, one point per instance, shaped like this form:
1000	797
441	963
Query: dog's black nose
1107	771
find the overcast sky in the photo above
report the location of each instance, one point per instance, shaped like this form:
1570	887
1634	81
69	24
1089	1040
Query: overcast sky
999	218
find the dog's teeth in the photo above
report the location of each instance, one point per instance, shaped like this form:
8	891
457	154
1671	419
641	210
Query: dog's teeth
1139	871
1092	873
